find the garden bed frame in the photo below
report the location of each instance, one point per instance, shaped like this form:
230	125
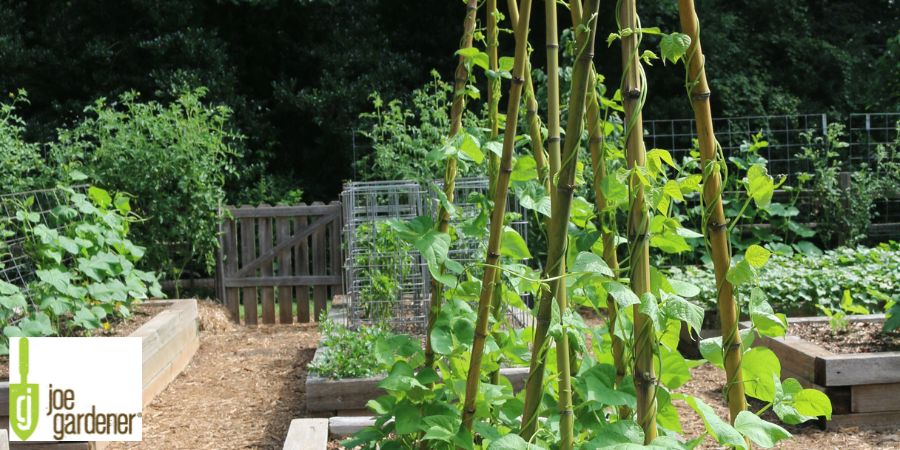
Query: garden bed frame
864	388
169	341
327	397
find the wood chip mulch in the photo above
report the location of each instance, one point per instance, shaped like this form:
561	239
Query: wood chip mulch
857	337
240	391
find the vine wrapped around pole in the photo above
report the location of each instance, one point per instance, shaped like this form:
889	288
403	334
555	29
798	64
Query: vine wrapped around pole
716	226
459	104
633	95
561	207
497	215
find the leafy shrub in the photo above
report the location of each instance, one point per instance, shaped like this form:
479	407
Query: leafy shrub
174	158
404	138
22	165
346	353
84	268
800	283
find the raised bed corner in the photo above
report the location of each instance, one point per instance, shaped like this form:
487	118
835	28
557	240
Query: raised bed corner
170	340
864	388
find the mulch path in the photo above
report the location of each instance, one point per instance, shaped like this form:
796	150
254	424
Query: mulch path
240	391
857	337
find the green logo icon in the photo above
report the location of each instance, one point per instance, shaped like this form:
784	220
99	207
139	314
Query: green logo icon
23	398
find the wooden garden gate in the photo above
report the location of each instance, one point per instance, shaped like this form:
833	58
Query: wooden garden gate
280	254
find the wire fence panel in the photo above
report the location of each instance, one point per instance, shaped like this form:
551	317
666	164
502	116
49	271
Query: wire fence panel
386	279
784	134
16	267
870	133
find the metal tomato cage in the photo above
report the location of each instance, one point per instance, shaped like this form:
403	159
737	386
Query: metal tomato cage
387	280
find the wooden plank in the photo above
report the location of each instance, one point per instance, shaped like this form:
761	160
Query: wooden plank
249	268
265	247
342	426
875	398
4	439
336	253
232	295
307	434
869	420
285	269
797	356
302	258
315	209
220	263
861	368
320	293
310	280
248	253
323	394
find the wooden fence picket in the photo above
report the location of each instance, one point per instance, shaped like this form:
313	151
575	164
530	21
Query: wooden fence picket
276	255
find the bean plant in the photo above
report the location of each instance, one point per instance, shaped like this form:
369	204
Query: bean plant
608	386
84	267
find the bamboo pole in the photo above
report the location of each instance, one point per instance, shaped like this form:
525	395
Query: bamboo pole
497	215
596	139
698	90
456	112
494	125
633	93
561	209
532	117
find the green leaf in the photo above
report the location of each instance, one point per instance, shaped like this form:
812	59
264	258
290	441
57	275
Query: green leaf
407	418
681	309
719	429
442	338
741	273
763	316
813	403
511	442
470	148
684	289
591	263
525	169
623	295
757	256
513	245
760	186
711	349
100	197
757	366
759	431
674	46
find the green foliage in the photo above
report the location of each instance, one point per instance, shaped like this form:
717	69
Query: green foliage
405	136
385	260
843	212
802	283
837	318
85	274
174	158
22	165
347	353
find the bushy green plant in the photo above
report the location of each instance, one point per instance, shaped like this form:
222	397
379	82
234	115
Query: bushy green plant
348	353
843	212
173	157
85	274
800	283
404	137
21	163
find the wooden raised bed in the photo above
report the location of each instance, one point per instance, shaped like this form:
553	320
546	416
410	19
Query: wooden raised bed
170	340
327	397
864	388
348	397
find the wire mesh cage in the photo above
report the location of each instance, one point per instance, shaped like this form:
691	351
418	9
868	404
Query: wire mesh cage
16	267
386	279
